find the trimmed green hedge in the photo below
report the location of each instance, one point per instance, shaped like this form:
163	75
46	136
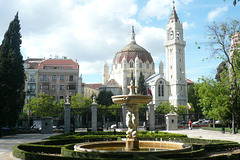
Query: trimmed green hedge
64	147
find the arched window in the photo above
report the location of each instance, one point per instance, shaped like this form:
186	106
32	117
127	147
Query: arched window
178	35
131	64
161	89
171	35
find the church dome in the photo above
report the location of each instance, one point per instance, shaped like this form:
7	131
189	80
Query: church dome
131	51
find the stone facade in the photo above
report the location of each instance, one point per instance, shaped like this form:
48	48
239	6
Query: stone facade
133	59
57	77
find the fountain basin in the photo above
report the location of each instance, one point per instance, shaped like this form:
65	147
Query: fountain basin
131	99
146	147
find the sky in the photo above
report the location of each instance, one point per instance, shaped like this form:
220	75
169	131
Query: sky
91	32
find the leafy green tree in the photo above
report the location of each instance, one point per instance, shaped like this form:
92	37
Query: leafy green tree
165	108
214	99
105	98
219	40
181	109
80	103
193	99
221	67
12	75
235	2
45	105
141	89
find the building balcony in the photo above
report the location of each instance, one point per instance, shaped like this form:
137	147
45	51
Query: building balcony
71	81
44	80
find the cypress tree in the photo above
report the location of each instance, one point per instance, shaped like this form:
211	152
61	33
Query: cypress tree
141	87
12	75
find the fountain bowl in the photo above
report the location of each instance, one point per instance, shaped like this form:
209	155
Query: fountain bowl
131	99
146	147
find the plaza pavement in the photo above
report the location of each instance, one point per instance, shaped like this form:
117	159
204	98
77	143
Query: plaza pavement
7	142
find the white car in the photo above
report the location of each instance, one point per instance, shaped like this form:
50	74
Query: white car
120	125
201	122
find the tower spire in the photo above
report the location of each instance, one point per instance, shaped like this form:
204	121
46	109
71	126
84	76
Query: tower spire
133	35
174	16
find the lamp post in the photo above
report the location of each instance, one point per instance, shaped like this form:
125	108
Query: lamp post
28	94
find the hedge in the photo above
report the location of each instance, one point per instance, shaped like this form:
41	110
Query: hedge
65	147
23	151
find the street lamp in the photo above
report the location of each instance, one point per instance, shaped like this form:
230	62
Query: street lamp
28	94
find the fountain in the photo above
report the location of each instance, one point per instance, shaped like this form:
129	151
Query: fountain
132	121
132	144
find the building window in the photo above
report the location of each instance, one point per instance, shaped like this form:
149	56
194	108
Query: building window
31	87
44	78
54	77
61	77
71	87
161	89
32	79
70	67
62	67
44	87
147	66
171	76
61	87
140	65
171	67
53	87
46	67
180	78
61	97
178	35
131	64
71	78
115	66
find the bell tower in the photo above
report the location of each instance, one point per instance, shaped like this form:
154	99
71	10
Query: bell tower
175	60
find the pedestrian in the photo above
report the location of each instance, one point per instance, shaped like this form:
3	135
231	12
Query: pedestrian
190	124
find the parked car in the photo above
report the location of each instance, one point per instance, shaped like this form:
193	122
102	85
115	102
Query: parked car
201	122
120	125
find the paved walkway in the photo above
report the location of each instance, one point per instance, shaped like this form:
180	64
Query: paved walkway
7	142
206	134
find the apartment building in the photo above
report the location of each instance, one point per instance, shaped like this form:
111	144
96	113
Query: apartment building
57	77
90	89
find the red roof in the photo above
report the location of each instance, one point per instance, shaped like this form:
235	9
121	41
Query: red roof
66	63
189	82
94	85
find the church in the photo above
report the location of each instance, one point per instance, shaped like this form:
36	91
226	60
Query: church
133	59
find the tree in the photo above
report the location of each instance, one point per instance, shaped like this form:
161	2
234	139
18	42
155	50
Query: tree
165	108
45	105
141	89
221	67
105	98
12	75
193	98
80	103
234	2
215	99
219	40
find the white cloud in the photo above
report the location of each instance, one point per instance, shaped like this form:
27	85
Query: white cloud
187	25
216	13
154	8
